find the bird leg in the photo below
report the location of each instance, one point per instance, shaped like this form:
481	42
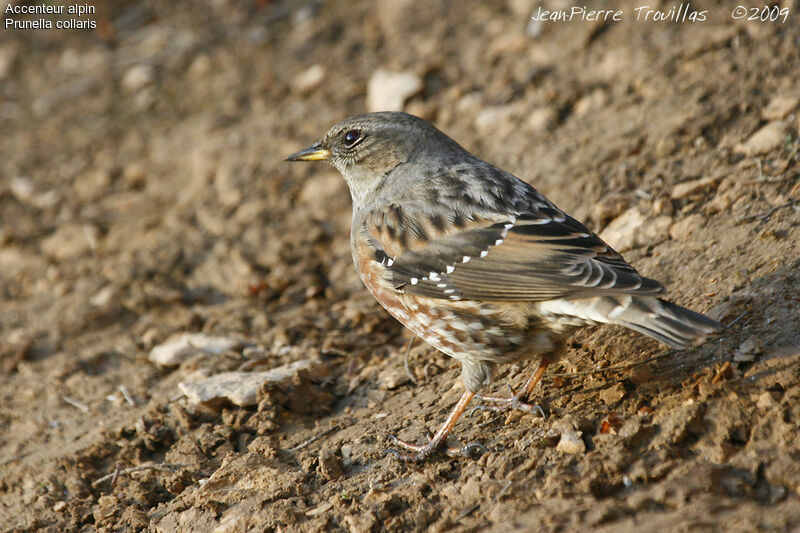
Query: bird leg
518	401
420	452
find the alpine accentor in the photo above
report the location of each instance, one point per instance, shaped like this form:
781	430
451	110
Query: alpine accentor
478	263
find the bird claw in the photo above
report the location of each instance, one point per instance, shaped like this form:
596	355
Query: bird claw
514	403
468	450
421	452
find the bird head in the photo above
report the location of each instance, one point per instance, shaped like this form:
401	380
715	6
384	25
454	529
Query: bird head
366	148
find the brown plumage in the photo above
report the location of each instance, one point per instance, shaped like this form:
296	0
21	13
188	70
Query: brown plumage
477	262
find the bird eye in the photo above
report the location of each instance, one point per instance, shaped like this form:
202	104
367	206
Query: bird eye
351	137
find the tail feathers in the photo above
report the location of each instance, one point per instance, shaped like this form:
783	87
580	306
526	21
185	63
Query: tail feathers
671	324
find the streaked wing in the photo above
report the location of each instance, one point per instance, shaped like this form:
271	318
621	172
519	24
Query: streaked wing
540	255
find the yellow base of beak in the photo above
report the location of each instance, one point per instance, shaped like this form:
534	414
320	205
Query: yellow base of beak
312	153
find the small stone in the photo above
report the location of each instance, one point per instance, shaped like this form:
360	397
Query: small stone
780	106
8	57
391	378
91	185
239	388
200	68
330	466
685	226
613	394
309	79
59	506
542	119
138	77
104	297
688	188
24	191
609	207
468	104
632	229
493	118
766	139
718	204
765	401
663	206
363	522
388	90
181	347
70	241
752	345
748	350
571	442
593	101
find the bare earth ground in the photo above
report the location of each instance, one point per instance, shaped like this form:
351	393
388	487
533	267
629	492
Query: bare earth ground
143	194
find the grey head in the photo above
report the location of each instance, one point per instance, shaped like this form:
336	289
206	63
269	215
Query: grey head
366	148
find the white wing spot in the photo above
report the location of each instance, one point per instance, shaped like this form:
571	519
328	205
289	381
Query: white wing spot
390	262
455	297
434	276
450	269
498	242
414	281
466	259
449	291
441	285
484	253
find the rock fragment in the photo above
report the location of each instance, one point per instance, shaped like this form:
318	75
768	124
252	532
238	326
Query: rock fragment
388	90
633	229
308	80
780	106
766	139
178	348
138	77
571	442
688	188
239	388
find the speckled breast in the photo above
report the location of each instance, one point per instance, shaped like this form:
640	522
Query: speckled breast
465	330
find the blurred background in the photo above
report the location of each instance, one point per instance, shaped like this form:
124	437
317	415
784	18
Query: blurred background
143	194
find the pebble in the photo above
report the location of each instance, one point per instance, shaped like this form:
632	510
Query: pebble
491	118
682	228
138	77
766	400
70	241
391	378
8	56
330	466
308	80
104	297
748	350
200	68
688	188
388	90
24	190
181	347
632	229
542	119
239	388
779	107
593	101
571	442
766	139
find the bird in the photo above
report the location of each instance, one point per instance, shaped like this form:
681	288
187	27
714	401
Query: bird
478	263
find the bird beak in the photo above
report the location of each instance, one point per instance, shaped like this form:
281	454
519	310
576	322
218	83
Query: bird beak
315	152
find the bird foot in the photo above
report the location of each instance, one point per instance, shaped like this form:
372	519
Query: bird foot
513	403
421	452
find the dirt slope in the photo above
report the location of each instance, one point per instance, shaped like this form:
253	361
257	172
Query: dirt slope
143	194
